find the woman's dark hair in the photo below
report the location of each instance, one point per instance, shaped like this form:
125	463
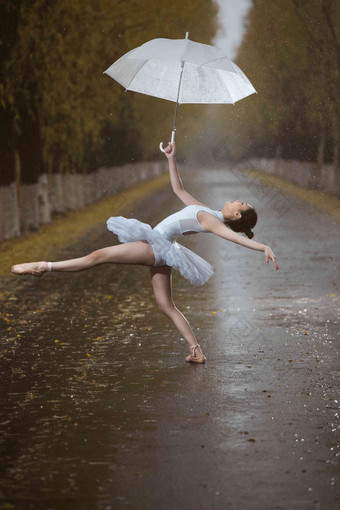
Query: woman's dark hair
245	223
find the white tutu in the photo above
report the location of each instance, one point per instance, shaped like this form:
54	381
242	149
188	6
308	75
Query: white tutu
191	266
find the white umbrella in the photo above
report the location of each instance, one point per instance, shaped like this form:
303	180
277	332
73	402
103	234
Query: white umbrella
182	71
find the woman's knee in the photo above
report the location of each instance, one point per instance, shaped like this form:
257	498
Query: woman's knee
95	257
165	306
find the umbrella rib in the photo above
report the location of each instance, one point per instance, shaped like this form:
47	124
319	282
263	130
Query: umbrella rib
216	60
224	86
141	67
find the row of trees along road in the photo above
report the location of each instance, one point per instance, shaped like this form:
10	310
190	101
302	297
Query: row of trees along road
291	54
58	112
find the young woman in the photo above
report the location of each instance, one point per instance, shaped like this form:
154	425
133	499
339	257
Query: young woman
157	248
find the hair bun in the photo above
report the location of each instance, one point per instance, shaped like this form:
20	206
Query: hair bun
250	234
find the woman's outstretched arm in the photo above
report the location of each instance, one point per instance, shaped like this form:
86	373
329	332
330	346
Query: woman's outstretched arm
176	181
214	225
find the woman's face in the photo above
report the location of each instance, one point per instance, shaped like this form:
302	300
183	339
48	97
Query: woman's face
234	207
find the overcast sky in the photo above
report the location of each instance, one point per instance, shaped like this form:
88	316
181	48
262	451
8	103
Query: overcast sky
231	18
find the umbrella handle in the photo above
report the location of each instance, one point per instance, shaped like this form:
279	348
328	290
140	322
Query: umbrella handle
172	140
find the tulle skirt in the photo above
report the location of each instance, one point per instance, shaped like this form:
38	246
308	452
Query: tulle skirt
169	253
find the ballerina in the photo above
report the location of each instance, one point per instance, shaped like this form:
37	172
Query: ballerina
157	248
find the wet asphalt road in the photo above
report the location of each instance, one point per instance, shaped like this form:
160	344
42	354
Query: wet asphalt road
100	411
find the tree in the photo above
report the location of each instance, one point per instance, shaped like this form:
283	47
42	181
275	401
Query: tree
290	52
59	112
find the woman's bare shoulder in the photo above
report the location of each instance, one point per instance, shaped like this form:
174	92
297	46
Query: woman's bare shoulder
209	221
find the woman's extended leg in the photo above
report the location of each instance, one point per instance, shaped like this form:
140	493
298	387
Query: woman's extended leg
161	282
137	252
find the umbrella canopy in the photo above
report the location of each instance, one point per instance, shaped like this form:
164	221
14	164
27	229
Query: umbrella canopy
155	69
182	71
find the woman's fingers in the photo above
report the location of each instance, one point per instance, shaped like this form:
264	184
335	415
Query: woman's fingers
275	262
170	149
270	255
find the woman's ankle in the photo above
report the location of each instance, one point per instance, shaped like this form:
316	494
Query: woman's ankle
195	350
43	266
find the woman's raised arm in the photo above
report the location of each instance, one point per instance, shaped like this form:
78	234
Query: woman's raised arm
176	181
214	225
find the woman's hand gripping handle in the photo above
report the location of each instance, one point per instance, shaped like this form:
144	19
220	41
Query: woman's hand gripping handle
172	141
170	150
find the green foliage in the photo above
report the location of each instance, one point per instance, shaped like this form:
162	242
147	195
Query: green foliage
61	113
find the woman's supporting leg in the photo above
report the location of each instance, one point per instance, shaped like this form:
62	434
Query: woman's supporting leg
138	252
161	282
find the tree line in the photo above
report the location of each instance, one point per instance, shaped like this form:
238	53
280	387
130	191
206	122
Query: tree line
58	112
291	54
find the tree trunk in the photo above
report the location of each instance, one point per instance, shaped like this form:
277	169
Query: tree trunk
30	149
7	153
321	153
320	158
336	156
336	166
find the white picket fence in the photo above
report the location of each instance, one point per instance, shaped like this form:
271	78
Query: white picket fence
304	174
25	208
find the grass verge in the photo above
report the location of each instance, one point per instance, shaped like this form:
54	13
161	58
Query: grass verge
44	243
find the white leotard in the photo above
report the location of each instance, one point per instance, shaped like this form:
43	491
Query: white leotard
183	221
162	240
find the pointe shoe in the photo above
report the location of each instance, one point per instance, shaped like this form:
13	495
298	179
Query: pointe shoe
33	268
195	359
